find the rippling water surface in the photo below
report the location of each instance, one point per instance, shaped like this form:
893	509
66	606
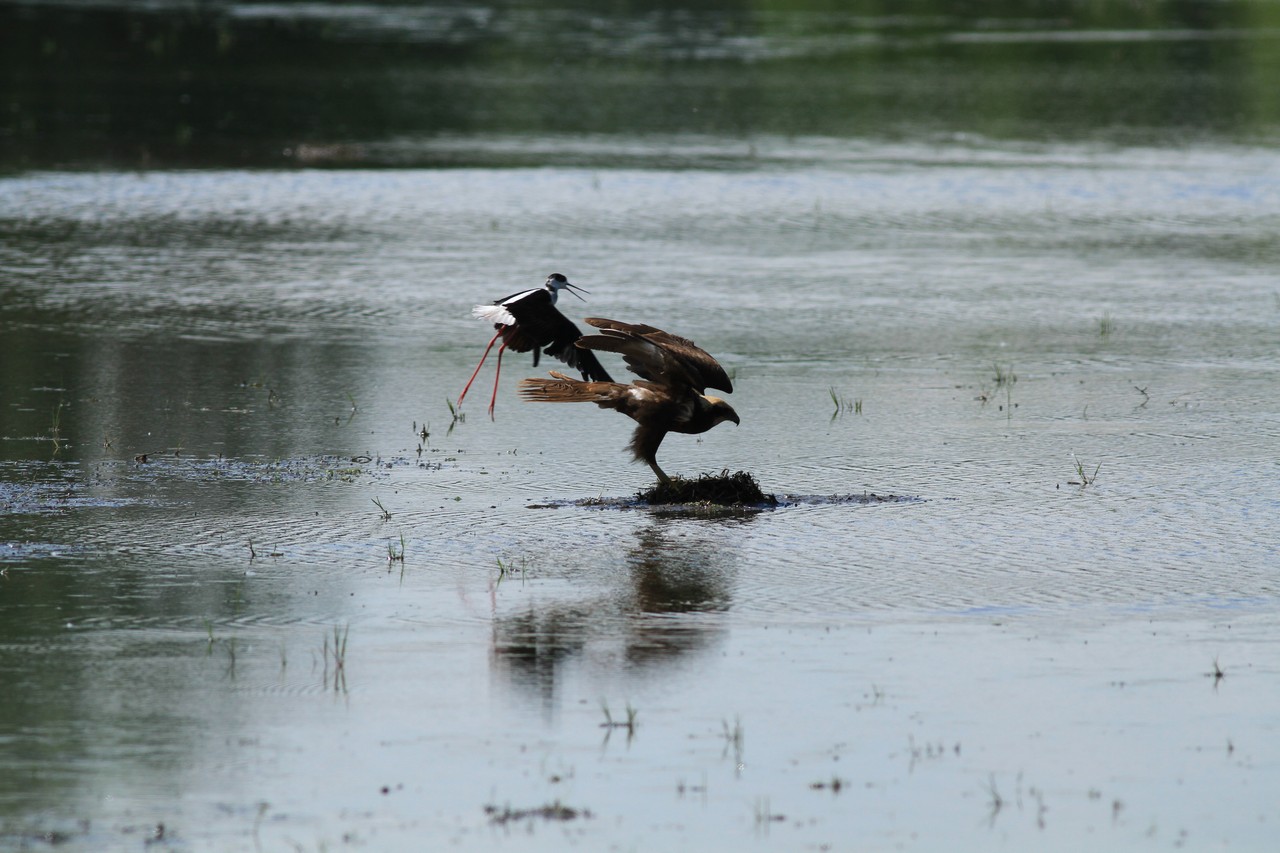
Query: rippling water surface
1006	658
260	589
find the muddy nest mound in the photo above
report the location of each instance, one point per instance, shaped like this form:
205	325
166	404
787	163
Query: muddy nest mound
723	489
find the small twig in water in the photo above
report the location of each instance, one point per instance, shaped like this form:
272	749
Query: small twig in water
734	739
996	802
1218	674
765	815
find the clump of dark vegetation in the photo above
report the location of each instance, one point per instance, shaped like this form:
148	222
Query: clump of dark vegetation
551	811
724	489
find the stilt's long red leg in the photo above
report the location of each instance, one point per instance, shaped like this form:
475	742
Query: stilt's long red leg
496	374
478	366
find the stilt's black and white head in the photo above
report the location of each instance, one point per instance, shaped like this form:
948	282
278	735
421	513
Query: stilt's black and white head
556	281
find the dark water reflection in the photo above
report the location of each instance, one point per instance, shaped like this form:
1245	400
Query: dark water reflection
141	84
675	567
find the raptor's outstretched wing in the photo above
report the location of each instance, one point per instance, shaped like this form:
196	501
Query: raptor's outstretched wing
660	357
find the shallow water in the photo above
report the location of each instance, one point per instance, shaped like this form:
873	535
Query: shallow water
215	381
1006	659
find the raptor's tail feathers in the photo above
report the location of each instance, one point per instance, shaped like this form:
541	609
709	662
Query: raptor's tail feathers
565	389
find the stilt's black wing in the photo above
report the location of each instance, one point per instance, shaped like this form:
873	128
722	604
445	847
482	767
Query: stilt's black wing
540	326
580	359
536	320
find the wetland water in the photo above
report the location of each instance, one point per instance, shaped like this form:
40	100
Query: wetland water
1004	659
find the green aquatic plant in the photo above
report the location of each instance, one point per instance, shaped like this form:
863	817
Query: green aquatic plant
734	740
386	514
336	653
841	404
610	723
1004	375
510	568
393	555
456	416
1085	478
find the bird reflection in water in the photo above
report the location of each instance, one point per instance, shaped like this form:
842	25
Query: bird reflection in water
654	617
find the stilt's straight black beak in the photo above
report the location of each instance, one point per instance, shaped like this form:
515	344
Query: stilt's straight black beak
573	288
